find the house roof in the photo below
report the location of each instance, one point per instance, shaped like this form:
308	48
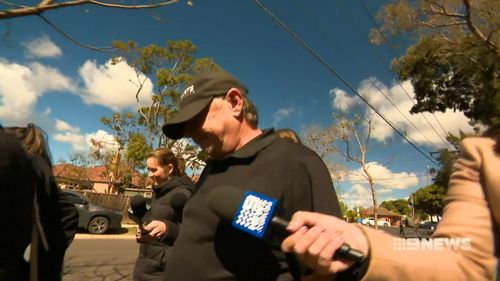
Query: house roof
381	211
94	174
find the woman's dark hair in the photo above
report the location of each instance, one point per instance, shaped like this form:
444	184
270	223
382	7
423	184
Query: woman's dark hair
33	139
165	156
494	133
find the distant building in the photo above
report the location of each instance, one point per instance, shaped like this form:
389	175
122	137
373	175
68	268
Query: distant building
97	179
394	219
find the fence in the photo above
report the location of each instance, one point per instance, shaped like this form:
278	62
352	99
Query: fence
116	201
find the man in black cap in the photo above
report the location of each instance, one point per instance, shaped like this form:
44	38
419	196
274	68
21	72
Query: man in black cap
217	114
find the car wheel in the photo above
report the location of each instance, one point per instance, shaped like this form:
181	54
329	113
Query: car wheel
98	225
386	224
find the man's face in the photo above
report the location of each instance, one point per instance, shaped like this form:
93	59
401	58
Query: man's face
208	129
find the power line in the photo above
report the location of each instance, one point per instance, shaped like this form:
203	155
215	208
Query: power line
332	70
399	83
385	179
375	85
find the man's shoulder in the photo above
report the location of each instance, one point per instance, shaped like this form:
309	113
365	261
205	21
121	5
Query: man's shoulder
292	149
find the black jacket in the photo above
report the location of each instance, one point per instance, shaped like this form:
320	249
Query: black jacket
211	249
33	214
153	257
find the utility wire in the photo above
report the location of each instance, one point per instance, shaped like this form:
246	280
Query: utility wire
385	179
377	86
391	49
332	70
349	16
99	49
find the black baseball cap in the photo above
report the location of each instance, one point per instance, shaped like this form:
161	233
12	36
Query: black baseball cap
197	96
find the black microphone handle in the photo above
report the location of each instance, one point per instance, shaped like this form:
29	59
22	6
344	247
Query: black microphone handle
345	251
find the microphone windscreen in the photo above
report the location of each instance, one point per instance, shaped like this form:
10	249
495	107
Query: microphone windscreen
249	211
252	213
178	200
138	206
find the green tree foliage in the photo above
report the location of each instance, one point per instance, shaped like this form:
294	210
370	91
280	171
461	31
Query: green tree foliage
343	207
399	206
455	62
171	69
429	199
351	215
137	151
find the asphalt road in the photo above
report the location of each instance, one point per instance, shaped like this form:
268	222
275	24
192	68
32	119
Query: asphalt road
111	257
103	258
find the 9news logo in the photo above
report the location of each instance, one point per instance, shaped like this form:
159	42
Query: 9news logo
431	244
254	214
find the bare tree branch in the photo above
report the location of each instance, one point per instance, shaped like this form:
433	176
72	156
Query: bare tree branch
444	25
442	11
476	30
46	5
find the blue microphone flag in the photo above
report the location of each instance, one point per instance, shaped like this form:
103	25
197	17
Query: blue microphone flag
255	213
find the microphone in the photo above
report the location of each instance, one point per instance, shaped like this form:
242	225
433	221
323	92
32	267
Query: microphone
253	213
178	200
138	209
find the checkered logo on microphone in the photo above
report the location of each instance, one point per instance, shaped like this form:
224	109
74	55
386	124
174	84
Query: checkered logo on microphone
255	213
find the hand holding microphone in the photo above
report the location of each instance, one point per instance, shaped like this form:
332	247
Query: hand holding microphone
138	210
317	237
253	213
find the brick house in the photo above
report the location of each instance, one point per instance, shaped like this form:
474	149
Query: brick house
394	219
97	179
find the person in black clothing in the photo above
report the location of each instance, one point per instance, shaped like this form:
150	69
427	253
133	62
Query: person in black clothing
401	228
217	114
163	219
39	224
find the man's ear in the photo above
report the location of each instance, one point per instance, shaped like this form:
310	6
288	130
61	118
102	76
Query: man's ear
235	99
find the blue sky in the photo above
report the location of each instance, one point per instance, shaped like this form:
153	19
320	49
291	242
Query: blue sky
66	89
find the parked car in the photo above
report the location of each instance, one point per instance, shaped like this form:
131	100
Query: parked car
371	221
428	225
96	219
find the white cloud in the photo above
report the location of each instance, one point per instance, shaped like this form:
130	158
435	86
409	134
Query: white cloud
385	178
371	87
22	85
65	127
384	190
77	141
46	78
84	142
385	182
341	100
113	86
42	47
358	195
281	114
103	139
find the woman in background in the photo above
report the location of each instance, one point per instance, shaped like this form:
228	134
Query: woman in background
44	223
159	234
